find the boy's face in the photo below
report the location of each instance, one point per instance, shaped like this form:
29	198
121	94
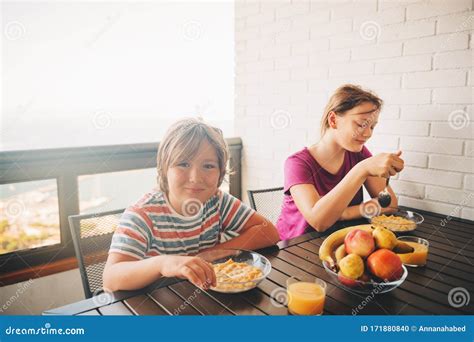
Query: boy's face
194	179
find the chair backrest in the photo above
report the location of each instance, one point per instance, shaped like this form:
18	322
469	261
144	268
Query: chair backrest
92	235
267	202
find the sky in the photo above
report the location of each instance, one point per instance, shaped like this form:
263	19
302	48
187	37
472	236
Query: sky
100	73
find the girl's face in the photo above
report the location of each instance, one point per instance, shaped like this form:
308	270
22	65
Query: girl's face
195	179
356	126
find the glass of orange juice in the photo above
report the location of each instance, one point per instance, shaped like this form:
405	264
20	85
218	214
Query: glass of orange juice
306	295
420	254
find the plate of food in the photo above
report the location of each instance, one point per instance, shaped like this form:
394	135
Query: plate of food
399	221
364	259
237	270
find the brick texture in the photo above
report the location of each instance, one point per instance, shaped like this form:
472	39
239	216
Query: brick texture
417	55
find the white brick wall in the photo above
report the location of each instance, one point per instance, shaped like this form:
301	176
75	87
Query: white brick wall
416	54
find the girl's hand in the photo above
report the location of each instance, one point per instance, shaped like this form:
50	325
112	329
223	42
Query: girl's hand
195	269
383	164
388	210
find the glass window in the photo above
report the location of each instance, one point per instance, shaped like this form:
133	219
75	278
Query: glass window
29	215
86	73
114	190
117	190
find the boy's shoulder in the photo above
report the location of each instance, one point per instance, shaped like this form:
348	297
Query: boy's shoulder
153	197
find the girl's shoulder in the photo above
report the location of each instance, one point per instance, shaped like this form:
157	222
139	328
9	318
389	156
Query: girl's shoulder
302	158
303	154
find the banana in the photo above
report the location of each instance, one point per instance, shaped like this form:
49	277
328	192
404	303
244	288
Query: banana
336	239
340	252
402	248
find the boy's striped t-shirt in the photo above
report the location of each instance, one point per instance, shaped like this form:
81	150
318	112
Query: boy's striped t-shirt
152	227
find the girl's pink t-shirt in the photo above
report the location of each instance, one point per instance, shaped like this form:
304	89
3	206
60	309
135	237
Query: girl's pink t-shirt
302	168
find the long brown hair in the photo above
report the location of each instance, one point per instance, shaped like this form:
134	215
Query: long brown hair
345	98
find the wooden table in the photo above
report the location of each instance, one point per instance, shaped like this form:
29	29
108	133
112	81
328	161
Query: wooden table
424	292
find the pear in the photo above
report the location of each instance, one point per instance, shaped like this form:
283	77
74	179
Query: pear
384	238
352	266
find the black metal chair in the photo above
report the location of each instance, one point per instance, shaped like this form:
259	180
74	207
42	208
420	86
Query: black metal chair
267	202
92	235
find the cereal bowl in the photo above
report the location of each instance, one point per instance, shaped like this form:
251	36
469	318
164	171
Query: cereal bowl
399	222
237	270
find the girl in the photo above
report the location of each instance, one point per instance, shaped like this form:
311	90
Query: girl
323	183
161	234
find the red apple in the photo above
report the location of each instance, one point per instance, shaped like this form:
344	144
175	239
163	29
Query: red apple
359	242
365	277
385	264
346	281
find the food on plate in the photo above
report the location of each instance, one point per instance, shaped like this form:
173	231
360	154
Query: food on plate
394	223
232	276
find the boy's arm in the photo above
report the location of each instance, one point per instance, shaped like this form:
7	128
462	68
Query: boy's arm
123	272
257	233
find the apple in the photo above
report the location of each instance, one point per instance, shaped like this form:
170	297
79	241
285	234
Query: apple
359	242
385	264
346	281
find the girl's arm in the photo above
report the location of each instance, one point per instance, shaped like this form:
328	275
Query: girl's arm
257	233
375	185
123	272
322	212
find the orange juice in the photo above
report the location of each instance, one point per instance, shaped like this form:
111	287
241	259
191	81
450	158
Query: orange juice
419	255
306	298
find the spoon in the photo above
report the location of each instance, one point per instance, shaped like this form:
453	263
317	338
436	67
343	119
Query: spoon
384	197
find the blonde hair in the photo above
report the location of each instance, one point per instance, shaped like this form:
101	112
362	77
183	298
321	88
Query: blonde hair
345	98
182	141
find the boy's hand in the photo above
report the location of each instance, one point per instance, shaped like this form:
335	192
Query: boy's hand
195	269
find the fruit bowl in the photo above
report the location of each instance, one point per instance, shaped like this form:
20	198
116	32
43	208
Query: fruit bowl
365	287
399	222
229	283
